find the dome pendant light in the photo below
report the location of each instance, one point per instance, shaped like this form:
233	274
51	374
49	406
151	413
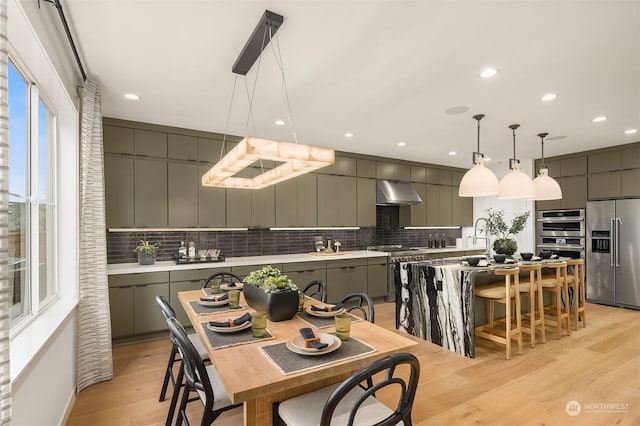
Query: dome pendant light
546	187
516	184
478	181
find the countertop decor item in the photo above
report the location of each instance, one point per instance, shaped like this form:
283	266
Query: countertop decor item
269	291
146	252
495	225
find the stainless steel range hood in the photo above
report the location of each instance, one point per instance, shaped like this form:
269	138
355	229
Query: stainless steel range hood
389	193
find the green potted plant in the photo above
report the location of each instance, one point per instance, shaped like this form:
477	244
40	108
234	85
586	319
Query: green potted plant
268	290
146	252
497	226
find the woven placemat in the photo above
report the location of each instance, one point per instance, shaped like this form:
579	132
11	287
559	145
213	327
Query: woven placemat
320	322
290	362
224	340
207	310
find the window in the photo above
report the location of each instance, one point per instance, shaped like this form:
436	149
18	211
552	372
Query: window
32	206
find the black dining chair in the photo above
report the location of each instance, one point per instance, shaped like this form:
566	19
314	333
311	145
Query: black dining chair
358	301
225	277
316	288
198	379
169	377
347	403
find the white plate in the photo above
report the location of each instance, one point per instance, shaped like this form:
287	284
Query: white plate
323	314
213	303
297	345
226	287
229	329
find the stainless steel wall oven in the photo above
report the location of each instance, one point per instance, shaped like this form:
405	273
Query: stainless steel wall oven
562	232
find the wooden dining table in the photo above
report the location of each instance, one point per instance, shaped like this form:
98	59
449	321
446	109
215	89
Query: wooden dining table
254	380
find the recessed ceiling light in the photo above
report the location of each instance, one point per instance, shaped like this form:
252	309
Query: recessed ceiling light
452	153
548	97
132	96
630	131
556	138
599	119
401	144
488	72
279	122
349	135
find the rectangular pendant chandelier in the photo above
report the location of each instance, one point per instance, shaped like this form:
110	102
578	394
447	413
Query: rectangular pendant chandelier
296	160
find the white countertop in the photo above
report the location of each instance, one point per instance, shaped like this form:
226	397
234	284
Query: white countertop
134	268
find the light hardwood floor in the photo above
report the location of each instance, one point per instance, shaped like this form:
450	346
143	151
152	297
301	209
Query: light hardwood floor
594	366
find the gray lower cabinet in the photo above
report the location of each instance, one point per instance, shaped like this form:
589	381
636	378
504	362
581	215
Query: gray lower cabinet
174	289
119	191
377	275
302	273
212	203
243	271
134	309
344	277
182	194
150	183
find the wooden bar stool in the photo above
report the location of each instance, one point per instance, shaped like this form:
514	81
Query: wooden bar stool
533	289
575	280
556	284
502	292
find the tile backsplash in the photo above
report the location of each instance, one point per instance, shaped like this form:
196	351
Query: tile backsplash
260	242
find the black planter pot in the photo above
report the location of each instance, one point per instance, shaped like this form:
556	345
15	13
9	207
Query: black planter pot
278	306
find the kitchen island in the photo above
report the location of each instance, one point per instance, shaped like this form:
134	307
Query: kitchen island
436	302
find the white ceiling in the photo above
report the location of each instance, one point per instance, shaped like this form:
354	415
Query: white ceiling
384	70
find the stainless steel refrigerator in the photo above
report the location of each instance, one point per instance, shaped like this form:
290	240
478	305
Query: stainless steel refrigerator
613	252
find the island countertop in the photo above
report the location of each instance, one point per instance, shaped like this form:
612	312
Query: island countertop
134	268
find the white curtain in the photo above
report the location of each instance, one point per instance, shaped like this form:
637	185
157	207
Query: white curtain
95	363
5	374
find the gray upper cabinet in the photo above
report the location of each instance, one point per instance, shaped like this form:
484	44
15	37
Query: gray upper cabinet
307	200
212	203
239	204
402	172
418	174
209	150
630	158
553	166
416	214
117	140
630	183
347	166
573	166
604	185
445	206
347	201
461	209
263	205
456	177
438	205
366	168
366	202
574	192
327	200
438	176
384	170
605	162
119	191
286	203
150	184
181	147
183	183
150	144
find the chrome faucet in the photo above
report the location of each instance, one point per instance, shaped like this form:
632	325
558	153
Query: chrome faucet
486	237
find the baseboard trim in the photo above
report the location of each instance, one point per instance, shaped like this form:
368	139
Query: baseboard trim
69	410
